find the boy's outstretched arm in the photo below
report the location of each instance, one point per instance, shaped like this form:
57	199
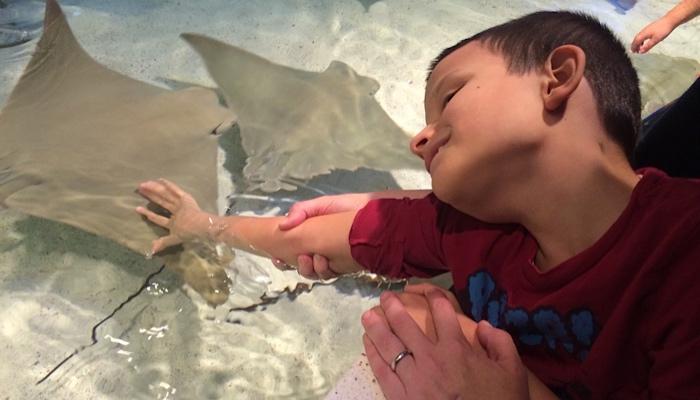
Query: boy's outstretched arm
327	235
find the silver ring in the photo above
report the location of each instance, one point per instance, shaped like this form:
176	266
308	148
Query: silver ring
398	358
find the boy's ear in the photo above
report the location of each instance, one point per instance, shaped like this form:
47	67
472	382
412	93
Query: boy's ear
563	72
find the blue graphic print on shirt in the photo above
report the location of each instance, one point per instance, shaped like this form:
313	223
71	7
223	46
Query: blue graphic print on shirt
544	326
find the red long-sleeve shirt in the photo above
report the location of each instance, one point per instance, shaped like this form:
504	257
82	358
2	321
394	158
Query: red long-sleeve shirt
619	320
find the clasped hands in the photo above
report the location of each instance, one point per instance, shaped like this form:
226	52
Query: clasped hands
452	357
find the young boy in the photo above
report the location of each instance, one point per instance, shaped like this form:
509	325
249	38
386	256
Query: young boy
548	232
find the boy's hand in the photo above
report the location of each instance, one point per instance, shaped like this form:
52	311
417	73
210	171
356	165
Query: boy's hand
446	367
186	221
651	35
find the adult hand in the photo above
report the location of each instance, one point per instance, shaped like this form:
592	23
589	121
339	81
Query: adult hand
651	35
424	288
447	367
315	266
186	220
324	205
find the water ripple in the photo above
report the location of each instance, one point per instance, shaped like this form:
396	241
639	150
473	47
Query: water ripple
20	21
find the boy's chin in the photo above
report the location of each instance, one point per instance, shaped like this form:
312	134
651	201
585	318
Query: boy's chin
443	195
458	201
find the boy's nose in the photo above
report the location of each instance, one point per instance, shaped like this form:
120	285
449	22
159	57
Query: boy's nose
421	139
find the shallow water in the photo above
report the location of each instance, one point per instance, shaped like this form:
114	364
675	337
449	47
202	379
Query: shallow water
58	284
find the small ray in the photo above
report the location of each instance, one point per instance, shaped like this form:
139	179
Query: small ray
298	124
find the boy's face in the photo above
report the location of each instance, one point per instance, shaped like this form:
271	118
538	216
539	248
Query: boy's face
482	126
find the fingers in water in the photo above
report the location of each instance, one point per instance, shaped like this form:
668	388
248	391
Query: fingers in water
172	188
157	193
164	242
153	217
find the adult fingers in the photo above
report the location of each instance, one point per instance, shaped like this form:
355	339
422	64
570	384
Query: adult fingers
401	323
153	217
321	267
306	267
164	242
391	385
444	317
417	307
498	345
294	217
387	344
303	210
424	288
380	313
157	193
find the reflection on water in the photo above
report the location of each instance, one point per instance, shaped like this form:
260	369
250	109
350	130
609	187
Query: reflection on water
57	283
20	21
63	281
20	27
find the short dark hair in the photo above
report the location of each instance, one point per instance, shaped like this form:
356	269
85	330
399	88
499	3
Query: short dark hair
527	42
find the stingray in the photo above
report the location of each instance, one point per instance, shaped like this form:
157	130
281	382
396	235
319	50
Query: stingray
76	138
298	124
663	79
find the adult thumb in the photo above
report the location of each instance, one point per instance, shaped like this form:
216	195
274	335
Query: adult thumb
294	217
498	344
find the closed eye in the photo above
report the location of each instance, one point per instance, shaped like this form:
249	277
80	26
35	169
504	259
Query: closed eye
448	98
451	95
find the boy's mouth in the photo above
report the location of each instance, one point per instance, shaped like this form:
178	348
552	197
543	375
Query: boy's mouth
433	151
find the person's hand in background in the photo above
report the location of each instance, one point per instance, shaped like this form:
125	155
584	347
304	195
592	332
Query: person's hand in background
658	30
651	35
